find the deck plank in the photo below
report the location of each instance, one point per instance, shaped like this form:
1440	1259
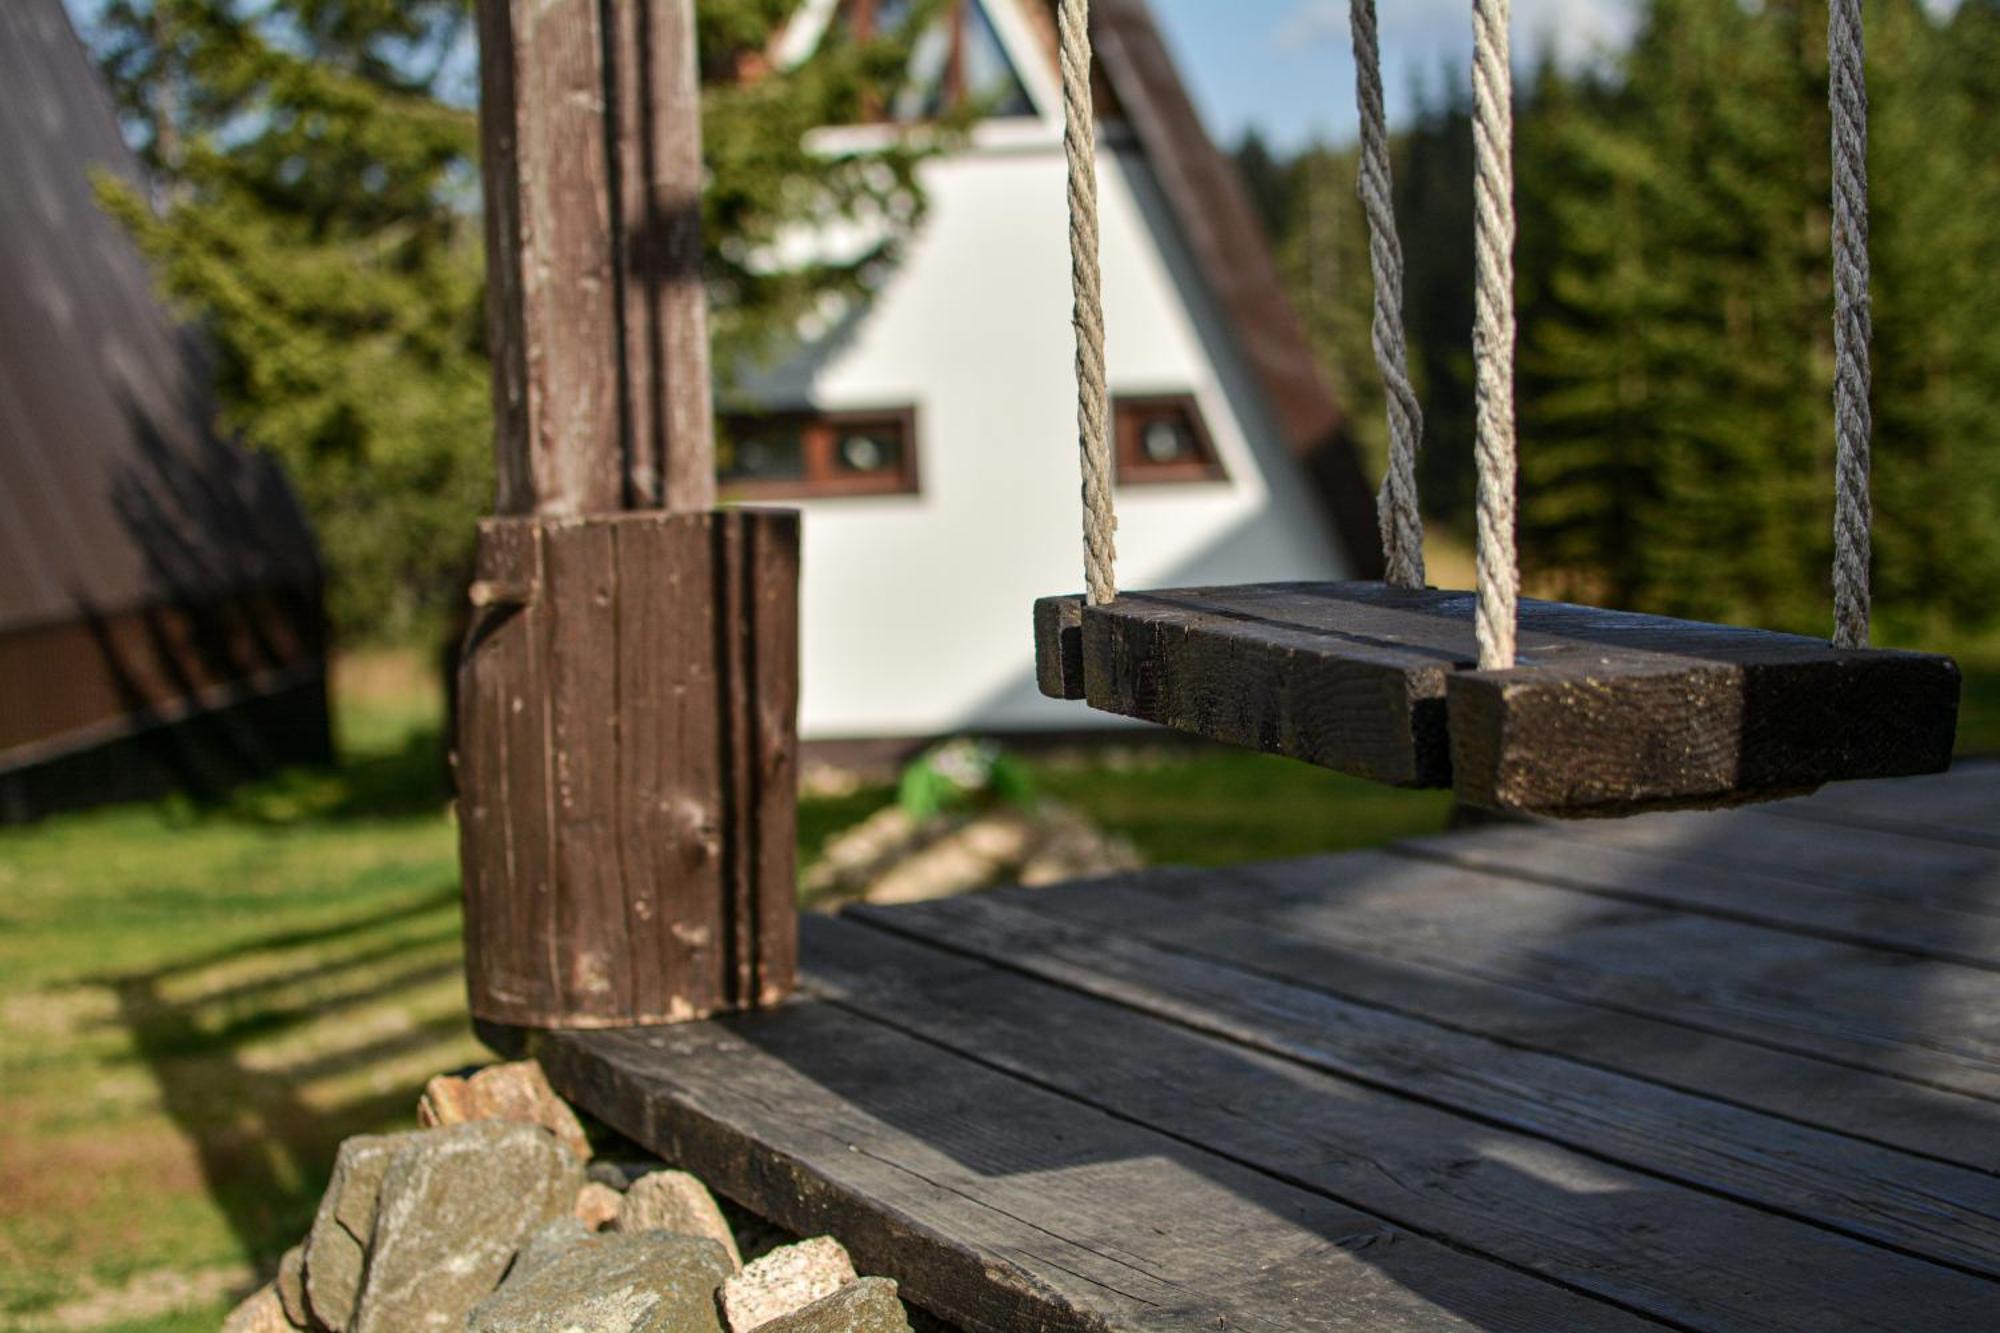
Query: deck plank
1596	1227
1897	867
1830	910
1003	1206
1264	929
1962	806
1929	1022
1945	1212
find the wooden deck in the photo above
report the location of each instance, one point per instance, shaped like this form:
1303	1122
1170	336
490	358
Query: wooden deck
1712	1071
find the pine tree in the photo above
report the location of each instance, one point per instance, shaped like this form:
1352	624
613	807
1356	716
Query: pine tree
317	210
1677	311
1321	245
1936	250
1321	239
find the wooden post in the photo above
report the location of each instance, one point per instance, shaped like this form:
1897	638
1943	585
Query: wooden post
628	692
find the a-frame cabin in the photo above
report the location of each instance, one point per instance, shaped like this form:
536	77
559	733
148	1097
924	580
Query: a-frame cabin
925	432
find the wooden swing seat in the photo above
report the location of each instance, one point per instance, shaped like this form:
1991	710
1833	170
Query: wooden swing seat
1606	712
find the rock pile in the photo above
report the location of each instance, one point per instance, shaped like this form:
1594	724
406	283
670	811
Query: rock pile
489	1221
895	857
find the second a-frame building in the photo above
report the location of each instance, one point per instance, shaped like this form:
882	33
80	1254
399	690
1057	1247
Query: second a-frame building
929	433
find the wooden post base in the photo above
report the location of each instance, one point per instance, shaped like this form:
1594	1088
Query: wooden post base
628	702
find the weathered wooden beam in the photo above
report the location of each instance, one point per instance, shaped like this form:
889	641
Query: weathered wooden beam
596	311
1326	673
1643	712
1607	711
628	768
663	306
629	687
552	313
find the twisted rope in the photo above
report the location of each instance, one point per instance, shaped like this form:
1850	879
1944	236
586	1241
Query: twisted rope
1100	522
1396	505
1493	331
1847	95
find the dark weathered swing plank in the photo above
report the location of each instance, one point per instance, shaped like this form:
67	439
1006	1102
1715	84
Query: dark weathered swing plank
1551	855
1605	712
1944	1212
1590	1225
1301	932
1004	1206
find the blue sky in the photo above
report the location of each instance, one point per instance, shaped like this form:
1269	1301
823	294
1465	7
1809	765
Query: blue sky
1286	66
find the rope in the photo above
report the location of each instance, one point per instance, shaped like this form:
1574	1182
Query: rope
1847	95
1396	505
1493	331
1100	522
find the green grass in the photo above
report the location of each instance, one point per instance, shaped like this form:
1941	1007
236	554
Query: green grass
198	1003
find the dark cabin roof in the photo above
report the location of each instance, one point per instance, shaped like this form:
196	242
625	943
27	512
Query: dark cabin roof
115	491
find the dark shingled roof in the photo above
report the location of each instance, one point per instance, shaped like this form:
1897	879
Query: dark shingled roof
115	492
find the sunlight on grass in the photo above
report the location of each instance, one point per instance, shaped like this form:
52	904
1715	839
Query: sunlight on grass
198	1004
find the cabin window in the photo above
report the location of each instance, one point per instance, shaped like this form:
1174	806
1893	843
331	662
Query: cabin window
958	64
1162	439
805	454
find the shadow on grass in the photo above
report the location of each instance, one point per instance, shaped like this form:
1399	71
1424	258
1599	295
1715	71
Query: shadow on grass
269	1052
405	780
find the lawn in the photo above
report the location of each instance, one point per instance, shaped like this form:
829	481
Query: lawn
197	1004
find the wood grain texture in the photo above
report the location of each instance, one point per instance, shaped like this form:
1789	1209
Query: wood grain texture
1929	1022
1737	715
552	295
1781	840
1606	712
1832	910
629	764
506	853
1320	925
591	145
1003	1206
1830	1180
1961	808
663	306
1330	674
1373	1091
1534	1205
1059	646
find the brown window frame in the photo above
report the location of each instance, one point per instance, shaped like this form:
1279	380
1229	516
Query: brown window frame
1130	414
819	435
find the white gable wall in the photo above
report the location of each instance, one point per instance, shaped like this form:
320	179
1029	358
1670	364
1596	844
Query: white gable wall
916	615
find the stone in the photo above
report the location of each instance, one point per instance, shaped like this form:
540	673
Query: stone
869	1305
678	1202
263	1312
620	1173
518	1092
549	1243
598	1206
789	1278
336	1249
291	1286
454	1207
646	1282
